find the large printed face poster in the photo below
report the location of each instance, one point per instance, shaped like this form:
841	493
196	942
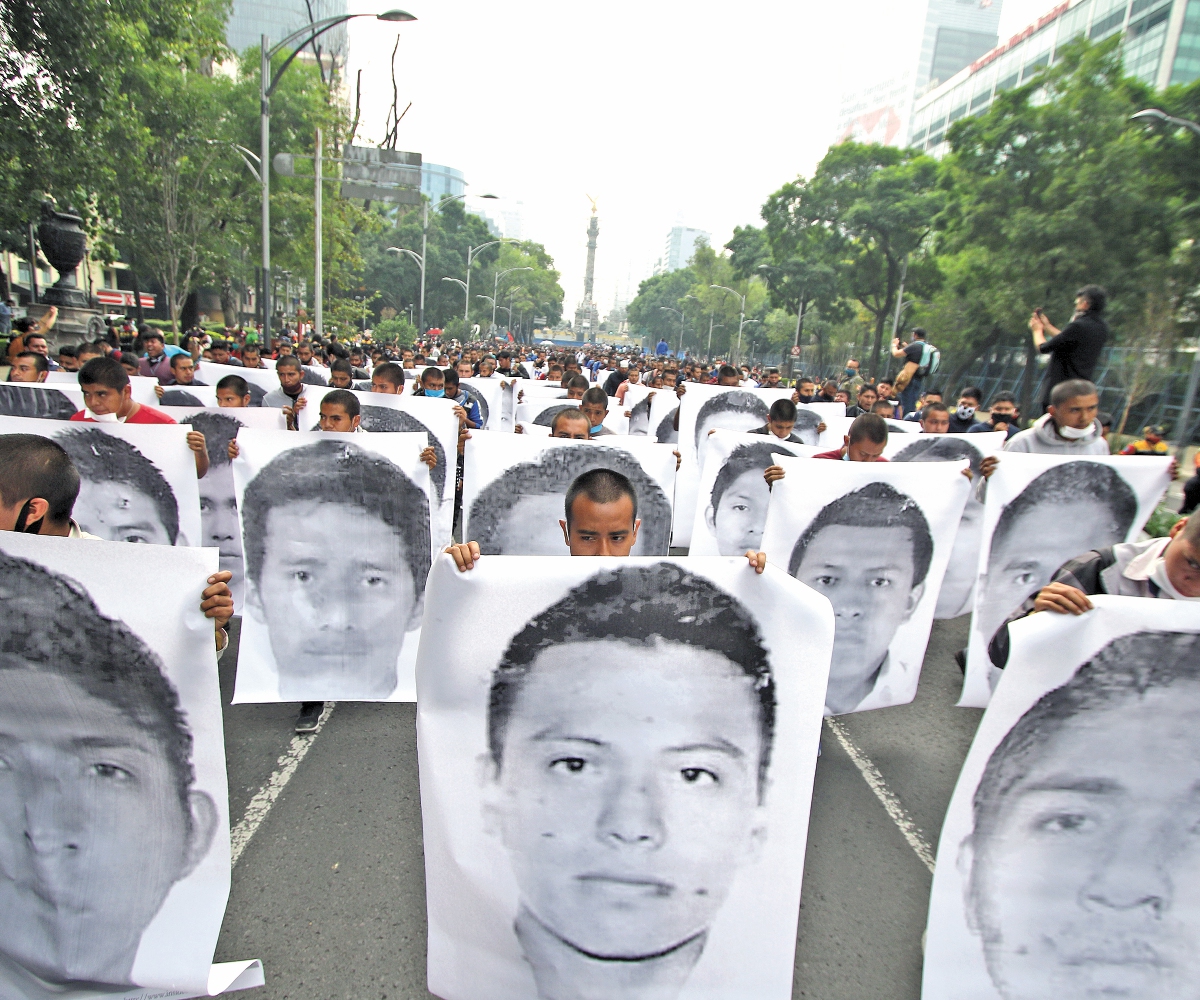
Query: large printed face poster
731	510
336	541
1068	863
137	481
218	497
382	412
615	784
1040	511
114	823
515	487
958	585
873	538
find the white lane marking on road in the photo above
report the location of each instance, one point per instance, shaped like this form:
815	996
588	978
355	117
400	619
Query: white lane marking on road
264	798
907	826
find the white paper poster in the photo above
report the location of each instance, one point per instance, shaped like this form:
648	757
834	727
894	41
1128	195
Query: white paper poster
336	542
187	395
383	412
35	399
704	408
874	538
138	481
515	486
487	393
731	510
1066	867
1040	511
114	809
958	585
615	784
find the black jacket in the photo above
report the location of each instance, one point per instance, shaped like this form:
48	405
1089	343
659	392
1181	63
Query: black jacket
1075	351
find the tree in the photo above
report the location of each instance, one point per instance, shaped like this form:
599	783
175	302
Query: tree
647	313
65	96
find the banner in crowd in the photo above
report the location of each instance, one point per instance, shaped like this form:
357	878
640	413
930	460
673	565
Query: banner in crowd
874	538
536	418
704	408
114	809
137	481
515	487
1040	511
336	541
488	394
652	413
187	395
1066	865
958	585
731	510
36	399
384	412
615	783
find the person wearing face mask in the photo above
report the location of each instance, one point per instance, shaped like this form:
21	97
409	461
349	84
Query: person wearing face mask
1157	568
963	417
851	379
1069	426
595	407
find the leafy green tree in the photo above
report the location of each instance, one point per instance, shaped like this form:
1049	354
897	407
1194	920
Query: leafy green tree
647	313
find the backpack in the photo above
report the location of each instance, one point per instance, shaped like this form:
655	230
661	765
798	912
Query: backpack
931	361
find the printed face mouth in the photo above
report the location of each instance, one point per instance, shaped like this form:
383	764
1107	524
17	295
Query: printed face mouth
627	885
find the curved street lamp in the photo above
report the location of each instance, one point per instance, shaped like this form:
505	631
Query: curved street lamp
496	289
267	85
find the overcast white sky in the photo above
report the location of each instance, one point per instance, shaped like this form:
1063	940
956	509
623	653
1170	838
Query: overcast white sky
665	112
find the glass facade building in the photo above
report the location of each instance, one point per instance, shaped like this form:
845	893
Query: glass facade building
1161	47
249	20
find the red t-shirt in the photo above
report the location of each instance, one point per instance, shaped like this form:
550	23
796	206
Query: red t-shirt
837	455
143	415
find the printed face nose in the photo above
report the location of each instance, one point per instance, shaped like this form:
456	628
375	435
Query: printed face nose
1130	878
632	817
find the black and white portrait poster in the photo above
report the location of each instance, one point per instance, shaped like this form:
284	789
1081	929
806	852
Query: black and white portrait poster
36	399
536	417
114	808
652	413
488	394
874	538
731	511
615	784
705	408
1068	862
218	497
1040	511
138	481
336	547
187	395
263	378
515	488
383	412
958	585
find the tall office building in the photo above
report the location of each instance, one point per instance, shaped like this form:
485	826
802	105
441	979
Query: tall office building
681	245
1161	47
251	19
956	33
437	181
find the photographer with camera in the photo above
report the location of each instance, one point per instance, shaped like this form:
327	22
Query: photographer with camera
1075	349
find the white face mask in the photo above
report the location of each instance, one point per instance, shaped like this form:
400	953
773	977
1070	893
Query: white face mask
103	418
1076	433
1159	575
965	412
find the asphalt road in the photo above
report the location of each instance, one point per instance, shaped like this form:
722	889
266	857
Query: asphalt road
330	892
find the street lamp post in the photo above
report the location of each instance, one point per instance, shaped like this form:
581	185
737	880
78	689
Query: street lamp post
1189	395
420	259
472	255
679	313
267	85
742	321
496	289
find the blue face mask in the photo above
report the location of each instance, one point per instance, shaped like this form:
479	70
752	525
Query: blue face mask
435	393
597	429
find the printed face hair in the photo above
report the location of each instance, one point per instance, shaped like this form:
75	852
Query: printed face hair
876	505
553	473
941	448
103	458
640	606
99	655
218	430
382	419
744	458
1123	671
48	404
546	417
1069	484
730	402
337	472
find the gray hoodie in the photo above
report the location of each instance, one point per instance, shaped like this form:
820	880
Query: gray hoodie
1042	439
